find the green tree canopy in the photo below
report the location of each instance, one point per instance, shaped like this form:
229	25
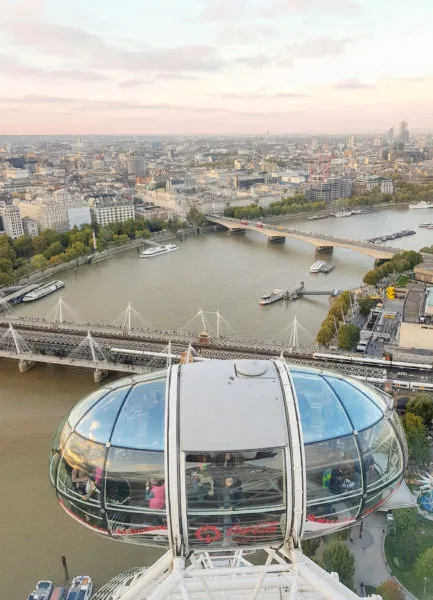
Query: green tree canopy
196	217
371	278
407	544
38	262
338	558
416	435
365	305
348	336
424	565
5	265
23	246
422	406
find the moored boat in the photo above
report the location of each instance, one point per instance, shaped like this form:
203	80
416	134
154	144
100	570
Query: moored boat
327	267
274	296
157	250
81	588
44	290
317	266
42	591
422	204
343	213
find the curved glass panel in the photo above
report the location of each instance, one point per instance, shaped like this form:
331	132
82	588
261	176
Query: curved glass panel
333	469
361	410
235	498
87	514
79	475
97	424
135	495
382	454
379	397
322	415
396	421
141	422
83	406
376	499
332	514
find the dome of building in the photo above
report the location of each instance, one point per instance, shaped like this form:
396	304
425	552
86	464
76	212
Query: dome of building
227	453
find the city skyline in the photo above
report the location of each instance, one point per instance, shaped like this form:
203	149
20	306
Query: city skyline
214	67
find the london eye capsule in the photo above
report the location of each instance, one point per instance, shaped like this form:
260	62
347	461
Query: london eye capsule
227	454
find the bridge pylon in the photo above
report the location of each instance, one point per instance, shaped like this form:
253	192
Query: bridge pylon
62	312
129	319
89	349
14	343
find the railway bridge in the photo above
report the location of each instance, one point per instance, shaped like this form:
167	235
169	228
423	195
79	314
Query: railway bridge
321	241
108	348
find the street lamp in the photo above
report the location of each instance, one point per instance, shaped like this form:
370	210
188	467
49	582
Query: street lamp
425	583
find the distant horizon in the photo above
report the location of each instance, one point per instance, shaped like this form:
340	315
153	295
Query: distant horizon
310	67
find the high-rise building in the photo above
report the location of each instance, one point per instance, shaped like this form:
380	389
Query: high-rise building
351	141
390	135
403	132
136	166
314	144
334	188
12	223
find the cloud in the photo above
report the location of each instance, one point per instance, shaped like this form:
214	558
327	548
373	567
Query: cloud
76	44
320	47
233	36
260	95
177	76
11	67
256	62
228	10
351	84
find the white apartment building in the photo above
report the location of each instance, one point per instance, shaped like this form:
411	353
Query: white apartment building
112	213
12	173
12	223
48	213
387	186
30	227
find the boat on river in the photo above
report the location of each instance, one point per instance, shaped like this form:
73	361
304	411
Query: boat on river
42	591
81	588
422	204
343	213
317	266
44	290
157	250
274	296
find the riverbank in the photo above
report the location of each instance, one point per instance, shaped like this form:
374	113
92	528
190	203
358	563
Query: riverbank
97	257
329	212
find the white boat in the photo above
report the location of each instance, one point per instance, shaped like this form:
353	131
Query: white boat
81	588
317	266
426	225
157	250
274	296
343	213
44	290
42	591
422	204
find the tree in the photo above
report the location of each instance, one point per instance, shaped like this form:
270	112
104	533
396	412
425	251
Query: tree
325	335
348	336
337	557
196	217
365	305
23	246
38	262
390	590
371	278
310	547
5	265
424	564
422	406
4	279
406	543
416	435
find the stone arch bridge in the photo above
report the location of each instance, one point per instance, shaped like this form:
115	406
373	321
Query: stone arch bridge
278	233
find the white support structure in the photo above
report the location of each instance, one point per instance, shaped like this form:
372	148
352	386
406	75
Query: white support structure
283	575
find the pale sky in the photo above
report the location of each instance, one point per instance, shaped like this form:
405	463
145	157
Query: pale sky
214	66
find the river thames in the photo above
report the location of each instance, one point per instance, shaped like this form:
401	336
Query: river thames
210	272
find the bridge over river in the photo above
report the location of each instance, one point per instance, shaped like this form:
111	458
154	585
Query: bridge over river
321	241
105	348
